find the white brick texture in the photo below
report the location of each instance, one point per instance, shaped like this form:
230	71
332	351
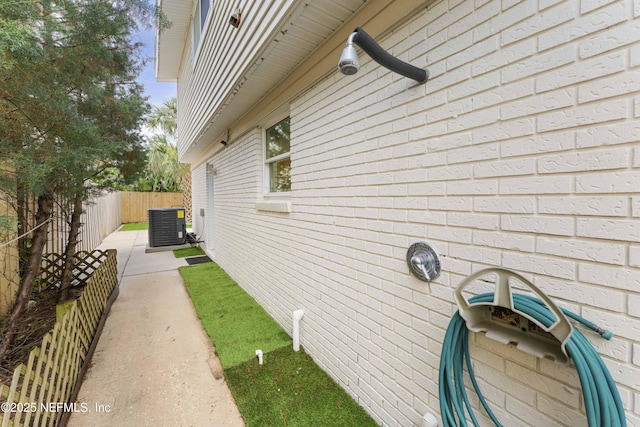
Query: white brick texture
521	151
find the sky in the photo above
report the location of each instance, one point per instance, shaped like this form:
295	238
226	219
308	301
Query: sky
158	92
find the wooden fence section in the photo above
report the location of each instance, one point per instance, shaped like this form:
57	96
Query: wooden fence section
101	216
40	391
136	204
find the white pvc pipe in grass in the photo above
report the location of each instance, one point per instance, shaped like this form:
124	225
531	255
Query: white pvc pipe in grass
297	315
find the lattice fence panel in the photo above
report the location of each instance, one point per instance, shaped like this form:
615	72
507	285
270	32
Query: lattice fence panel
85	263
45	382
186	197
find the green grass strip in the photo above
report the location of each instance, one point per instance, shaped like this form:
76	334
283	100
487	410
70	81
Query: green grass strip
134	226
289	389
185	252
236	324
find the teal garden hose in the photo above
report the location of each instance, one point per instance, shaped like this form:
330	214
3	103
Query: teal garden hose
601	398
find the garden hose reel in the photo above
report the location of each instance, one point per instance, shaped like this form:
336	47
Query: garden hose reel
503	323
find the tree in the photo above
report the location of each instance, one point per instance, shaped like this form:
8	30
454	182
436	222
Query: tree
15	33
165	119
69	107
163	170
120	146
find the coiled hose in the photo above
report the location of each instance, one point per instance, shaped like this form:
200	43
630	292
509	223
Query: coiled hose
601	398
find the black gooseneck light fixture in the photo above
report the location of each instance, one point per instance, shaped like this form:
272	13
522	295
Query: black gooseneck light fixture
349	63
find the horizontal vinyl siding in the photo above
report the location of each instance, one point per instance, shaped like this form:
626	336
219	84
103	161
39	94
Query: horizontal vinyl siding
521	151
226	54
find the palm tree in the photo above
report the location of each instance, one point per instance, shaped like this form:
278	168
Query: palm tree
165	118
164	171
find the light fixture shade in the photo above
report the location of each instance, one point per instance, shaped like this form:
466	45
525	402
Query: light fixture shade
349	63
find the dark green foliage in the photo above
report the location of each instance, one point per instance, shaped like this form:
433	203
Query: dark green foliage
16	31
70	109
70	106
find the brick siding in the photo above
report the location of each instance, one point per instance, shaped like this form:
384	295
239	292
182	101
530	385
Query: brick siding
522	151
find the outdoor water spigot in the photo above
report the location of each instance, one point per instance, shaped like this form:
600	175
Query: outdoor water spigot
424	261
421	260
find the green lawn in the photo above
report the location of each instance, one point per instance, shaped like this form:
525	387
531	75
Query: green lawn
235	322
289	389
134	226
185	252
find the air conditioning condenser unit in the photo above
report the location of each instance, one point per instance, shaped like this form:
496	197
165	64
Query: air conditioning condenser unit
167	227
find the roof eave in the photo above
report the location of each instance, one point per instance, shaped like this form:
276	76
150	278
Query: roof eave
169	42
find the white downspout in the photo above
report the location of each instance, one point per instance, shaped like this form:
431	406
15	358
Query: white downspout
297	315
259	354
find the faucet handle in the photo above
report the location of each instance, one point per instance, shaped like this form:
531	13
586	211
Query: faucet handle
424	261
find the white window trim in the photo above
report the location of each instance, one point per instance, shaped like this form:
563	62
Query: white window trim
283	206
275	158
196	49
267	193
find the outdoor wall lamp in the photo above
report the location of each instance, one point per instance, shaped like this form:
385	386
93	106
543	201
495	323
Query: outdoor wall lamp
349	63
224	143
235	18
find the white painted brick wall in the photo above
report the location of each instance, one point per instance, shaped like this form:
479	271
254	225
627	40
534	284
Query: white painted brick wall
522	151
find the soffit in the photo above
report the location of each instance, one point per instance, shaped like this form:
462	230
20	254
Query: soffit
170	42
304	28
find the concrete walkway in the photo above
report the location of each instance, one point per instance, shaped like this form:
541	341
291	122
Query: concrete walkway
154	364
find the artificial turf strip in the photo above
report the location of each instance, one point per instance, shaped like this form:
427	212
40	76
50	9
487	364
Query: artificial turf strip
236	324
289	389
185	252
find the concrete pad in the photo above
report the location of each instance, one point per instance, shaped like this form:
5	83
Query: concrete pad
154	364
141	262
142	238
123	242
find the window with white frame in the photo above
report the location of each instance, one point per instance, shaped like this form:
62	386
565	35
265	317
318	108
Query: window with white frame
200	15
277	157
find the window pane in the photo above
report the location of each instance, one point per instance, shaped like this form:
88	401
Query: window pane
204	11
278	139
280	175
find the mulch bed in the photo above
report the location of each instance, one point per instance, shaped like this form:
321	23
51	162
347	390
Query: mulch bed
32	326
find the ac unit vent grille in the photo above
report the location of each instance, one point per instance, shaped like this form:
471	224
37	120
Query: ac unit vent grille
167	227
